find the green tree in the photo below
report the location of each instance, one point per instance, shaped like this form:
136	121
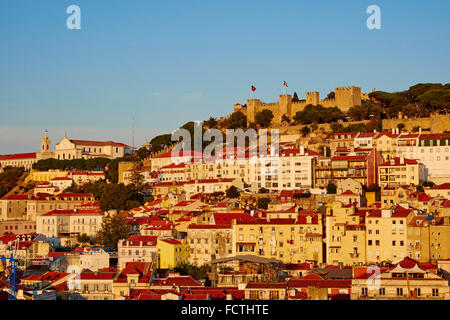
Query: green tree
263	190
196	272
232	192
137	178
211	123
237	120
264	118
263	203
83	238
158	143
331	95
429	184
331	188
401	126
112	231
305	131
113	196
318	114
143	153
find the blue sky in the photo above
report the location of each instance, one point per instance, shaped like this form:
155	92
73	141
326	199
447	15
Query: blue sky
169	62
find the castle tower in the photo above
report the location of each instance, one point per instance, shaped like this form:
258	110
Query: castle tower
347	97
46	148
285	103
253	107
312	98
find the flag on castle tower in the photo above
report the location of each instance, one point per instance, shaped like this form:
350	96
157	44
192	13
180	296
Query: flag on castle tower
285	84
253	88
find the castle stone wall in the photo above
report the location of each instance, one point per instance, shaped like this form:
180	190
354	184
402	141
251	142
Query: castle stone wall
345	98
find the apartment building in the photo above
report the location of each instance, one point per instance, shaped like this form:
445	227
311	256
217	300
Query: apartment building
362	168
42	204
67	224
137	248
399	171
408	279
386	238
288	240
208	242
345	235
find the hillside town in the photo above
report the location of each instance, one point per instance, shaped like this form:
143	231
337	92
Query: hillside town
355	216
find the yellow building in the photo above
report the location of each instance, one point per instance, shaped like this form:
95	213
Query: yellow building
386	238
209	242
136	275
391	195
408	279
400	171
386	144
428	238
172	252
345	235
289	240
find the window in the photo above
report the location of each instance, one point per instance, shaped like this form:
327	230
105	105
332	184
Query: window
435	292
417	291
364	291
382	291
399	292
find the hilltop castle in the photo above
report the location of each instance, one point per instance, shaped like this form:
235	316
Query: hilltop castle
345	98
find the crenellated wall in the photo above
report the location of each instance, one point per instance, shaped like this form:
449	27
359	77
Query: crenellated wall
345	98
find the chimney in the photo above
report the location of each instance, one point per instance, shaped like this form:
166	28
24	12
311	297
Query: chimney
402	160
302	150
397	131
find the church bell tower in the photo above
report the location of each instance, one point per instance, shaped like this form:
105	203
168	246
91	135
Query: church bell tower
46	148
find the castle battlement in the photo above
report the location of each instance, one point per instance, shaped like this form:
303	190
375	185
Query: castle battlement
345	98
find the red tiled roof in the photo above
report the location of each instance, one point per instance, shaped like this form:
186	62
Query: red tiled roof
171	241
432	136
74	195
174	166
80	212
226	218
99	143
296	152
61	179
209	226
396	162
136	268
15	197
178	281
18	156
444	186
348	193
